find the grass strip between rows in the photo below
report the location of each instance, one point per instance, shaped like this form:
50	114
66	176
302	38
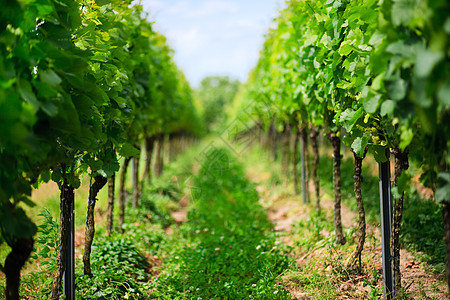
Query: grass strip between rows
231	251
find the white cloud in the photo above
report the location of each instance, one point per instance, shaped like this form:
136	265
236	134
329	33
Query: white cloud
154	4
210	8
193	9
213	36
180	8
250	24
189	40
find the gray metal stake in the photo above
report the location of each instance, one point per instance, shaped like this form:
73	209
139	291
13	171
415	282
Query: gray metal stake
303	168
133	177
69	274
386	215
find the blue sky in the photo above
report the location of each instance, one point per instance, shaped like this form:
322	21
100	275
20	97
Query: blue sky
214	37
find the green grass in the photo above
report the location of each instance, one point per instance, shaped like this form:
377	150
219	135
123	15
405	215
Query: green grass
142	235
229	251
422	226
423	231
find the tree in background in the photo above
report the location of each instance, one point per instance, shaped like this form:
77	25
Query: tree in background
215	93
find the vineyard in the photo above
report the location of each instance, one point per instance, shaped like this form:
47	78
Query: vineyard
120	181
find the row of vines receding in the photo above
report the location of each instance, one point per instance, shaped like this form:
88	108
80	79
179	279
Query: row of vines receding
83	84
373	75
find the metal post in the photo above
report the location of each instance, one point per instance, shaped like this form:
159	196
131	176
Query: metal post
133	176
303	170
386	215
69	274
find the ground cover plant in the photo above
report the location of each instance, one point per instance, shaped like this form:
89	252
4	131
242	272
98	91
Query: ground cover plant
344	93
229	251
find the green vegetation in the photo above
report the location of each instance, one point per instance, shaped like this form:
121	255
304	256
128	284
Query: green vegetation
83	83
215	95
423	231
228	252
370	75
120	271
88	87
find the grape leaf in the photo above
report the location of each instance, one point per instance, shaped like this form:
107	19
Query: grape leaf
27	94
50	77
359	145
387	108
443	187
127	150
371	103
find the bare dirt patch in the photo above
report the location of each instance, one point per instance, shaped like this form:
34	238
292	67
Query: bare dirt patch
286	210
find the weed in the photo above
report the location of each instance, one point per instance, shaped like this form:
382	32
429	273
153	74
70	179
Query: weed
119	271
315	230
422	216
38	284
229	251
375	290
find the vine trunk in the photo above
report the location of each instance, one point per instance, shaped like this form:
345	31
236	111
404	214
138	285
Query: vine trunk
99	182
313	134
336	142
111	200
122	193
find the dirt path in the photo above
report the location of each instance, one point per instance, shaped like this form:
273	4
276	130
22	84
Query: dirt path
286	210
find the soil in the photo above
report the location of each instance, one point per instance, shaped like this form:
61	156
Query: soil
286	211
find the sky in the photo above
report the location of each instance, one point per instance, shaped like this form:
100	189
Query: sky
214	37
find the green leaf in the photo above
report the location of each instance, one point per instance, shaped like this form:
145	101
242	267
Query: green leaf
396	88
310	40
425	62
405	138
45	175
50	77
443	187
345	49
44	90
49	108
395	192
110	164
443	93
27	94
403	12
44	9
402	49
377	83
58	35
57	176
349	117
73	180
16	223
387	108
359	145
127	150
371	104
376	39
92	162
98	95
379	152
447	25
121	102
